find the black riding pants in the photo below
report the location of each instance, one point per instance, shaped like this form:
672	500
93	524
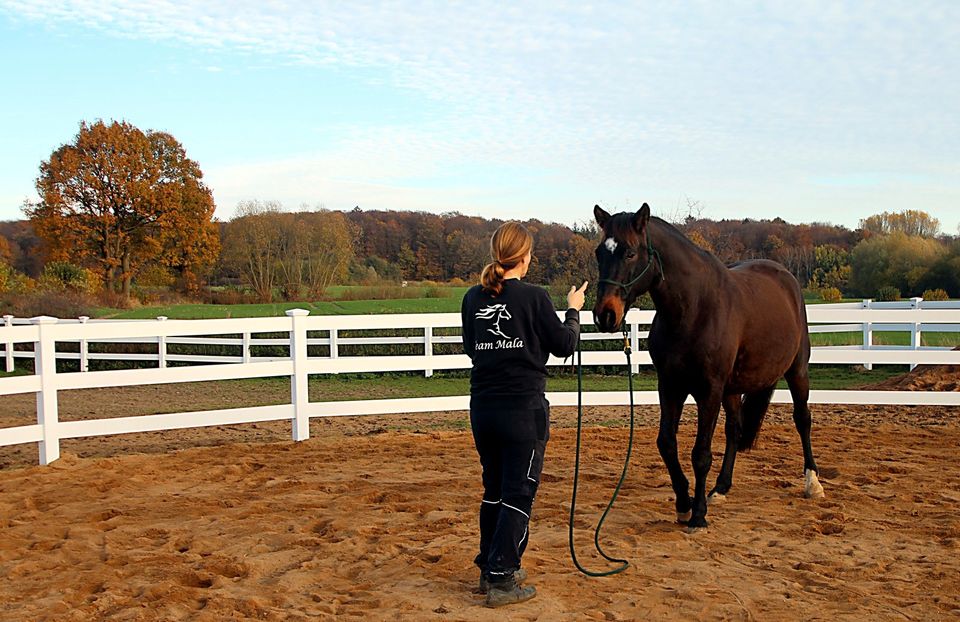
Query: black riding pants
511	442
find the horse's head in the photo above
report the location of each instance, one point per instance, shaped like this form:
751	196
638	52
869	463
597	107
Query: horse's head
491	311
626	261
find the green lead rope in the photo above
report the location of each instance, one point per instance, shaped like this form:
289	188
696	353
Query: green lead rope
623	563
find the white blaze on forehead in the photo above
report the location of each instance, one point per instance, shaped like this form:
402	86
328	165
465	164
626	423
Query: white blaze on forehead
610	244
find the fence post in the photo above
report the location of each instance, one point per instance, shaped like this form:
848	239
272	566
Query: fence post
8	321
334	346
635	345
867	332
298	381
84	363
162	345
916	335
45	366
246	347
428	349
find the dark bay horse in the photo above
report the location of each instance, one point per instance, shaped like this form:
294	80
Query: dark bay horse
724	335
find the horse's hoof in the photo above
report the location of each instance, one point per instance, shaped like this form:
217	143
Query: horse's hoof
716	497
696	524
812	489
684	517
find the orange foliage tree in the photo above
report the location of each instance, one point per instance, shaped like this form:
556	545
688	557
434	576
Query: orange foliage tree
117	199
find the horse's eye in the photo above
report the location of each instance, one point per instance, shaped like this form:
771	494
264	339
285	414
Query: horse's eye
631	254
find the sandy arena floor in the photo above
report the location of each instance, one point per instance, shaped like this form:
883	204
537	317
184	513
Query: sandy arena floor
374	518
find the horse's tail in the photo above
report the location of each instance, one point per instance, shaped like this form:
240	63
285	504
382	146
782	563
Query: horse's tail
753	411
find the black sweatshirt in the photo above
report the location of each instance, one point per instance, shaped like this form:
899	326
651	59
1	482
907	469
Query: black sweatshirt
509	338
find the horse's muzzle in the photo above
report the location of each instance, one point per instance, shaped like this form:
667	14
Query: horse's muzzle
608	314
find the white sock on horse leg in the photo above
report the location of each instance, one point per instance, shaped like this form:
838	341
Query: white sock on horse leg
811	485
716	497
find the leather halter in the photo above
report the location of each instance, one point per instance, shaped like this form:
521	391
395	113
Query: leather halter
651	253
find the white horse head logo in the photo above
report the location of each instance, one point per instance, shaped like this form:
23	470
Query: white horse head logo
498	311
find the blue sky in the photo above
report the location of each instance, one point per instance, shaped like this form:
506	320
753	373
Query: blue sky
810	111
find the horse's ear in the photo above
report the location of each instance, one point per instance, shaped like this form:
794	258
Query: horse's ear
601	216
641	217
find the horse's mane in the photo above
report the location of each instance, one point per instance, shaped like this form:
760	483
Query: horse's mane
623	222
678	236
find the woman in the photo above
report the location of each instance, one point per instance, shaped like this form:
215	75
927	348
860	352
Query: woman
509	330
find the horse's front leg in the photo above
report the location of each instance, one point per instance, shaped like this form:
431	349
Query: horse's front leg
731	409
708	411
671	407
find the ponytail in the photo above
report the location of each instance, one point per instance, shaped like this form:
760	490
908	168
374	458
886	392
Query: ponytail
492	278
509	244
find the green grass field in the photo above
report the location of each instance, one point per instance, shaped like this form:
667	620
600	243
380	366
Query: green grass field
886	338
449	303
345	307
393	386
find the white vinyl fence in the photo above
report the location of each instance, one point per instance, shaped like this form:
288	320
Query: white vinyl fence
38	339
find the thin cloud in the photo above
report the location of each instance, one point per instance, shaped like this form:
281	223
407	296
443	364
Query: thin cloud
562	62
633	96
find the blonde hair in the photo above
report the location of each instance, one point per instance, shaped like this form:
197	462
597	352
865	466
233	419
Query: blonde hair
509	244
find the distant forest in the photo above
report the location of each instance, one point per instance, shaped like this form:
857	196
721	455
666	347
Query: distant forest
283	254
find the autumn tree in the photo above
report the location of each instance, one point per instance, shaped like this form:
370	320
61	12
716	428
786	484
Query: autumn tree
909	222
298	254
24	246
945	272
465	254
558	252
428	246
252	246
374	269
188	237
467	246
575	262
117	198
697	238
6	250
407	261
316	249
11	281
832	267
897	260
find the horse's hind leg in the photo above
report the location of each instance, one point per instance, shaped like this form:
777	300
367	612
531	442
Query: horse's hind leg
731	409
744	417
798	379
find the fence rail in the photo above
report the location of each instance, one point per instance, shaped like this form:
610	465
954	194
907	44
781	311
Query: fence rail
38	340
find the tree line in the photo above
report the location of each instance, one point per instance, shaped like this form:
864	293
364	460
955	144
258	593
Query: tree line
123	210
